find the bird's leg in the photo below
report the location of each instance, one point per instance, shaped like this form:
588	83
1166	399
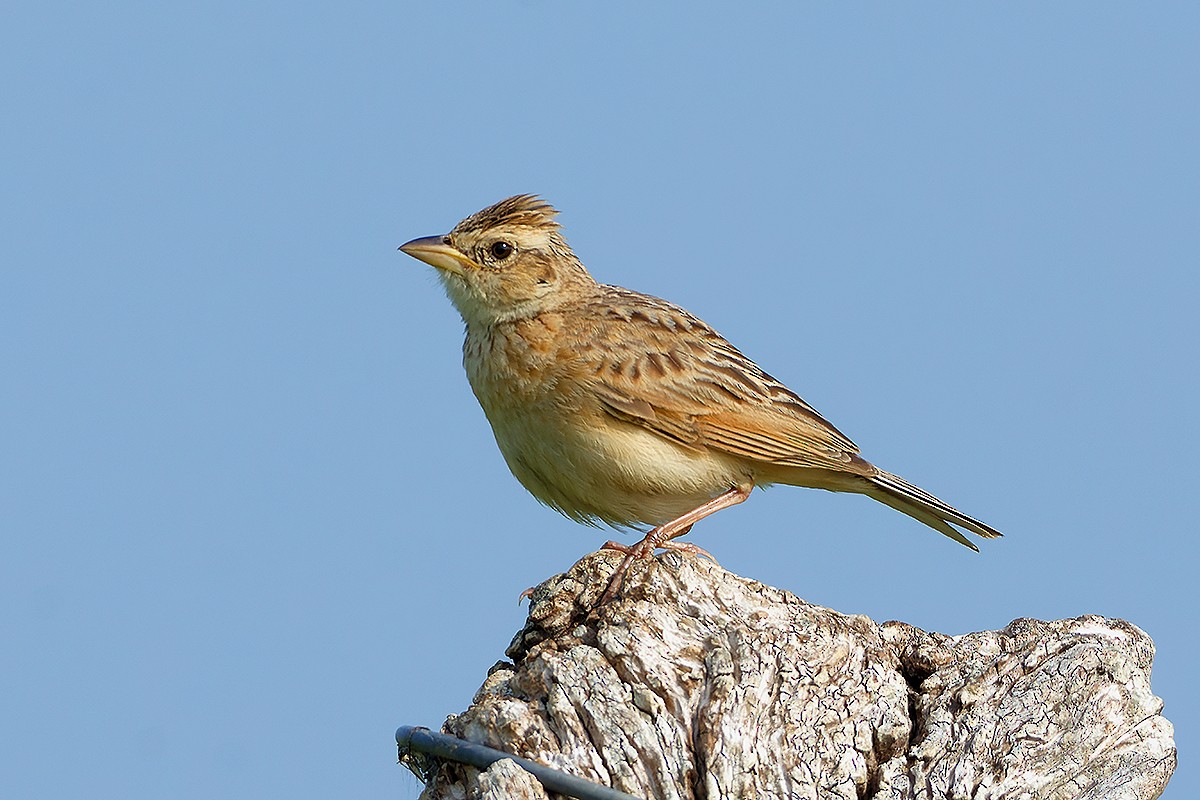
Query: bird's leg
661	536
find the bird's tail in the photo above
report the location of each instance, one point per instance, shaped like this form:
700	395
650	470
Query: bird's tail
901	495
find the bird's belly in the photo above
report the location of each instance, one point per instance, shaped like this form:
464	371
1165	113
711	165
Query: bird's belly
594	468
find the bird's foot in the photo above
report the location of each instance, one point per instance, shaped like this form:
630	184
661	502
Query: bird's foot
657	539
644	550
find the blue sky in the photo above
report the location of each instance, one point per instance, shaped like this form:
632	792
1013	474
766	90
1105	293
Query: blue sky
253	519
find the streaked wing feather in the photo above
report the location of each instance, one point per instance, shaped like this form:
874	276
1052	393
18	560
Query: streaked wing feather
678	377
680	429
777	438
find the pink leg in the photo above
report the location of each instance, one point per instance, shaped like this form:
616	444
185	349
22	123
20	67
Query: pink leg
661	536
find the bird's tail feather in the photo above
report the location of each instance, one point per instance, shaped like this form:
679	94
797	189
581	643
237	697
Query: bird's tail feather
901	495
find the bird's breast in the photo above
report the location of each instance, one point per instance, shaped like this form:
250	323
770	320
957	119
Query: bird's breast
568	452
511	364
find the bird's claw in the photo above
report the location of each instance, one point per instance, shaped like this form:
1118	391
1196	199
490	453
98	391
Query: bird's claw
643	550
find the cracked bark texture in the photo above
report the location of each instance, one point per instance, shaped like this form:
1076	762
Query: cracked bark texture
696	683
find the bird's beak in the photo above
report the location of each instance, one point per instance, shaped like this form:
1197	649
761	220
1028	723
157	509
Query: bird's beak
434	250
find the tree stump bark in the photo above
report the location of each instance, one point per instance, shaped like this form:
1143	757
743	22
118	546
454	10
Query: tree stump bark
697	683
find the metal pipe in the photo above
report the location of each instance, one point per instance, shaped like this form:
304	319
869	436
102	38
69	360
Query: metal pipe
440	745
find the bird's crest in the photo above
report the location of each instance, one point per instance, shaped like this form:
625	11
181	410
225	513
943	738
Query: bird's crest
527	210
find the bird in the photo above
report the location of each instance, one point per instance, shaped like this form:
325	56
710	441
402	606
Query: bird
617	408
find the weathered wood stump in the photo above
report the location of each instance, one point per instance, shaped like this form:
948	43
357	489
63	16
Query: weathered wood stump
697	683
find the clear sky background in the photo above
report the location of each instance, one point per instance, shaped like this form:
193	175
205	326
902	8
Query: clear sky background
252	517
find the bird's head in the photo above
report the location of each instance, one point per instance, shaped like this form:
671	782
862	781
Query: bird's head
505	262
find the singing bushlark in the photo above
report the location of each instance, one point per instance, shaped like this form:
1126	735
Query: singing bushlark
615	407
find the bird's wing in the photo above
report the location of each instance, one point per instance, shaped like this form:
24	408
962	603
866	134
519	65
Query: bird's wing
663	369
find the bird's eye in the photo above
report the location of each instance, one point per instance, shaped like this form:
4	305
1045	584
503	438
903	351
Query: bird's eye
501	250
